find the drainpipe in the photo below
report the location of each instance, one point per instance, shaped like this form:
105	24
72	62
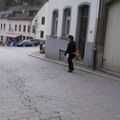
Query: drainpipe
95	36
94	58
95	47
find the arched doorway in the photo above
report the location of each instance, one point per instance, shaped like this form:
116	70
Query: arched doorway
82	26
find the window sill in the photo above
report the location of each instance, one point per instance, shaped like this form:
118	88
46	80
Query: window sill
63	37
53	36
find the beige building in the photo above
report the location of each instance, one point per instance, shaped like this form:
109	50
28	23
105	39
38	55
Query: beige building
16	23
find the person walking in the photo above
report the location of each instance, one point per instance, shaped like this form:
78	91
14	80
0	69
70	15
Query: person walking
71	49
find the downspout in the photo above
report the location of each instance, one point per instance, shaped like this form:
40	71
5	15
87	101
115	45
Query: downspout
95	35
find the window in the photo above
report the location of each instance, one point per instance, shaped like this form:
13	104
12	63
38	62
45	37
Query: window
4	26
1	38
42	34
1	26
24	28
32	13
16	13
28	38
10	28
54	23
66	22
19	28
31	38
43	21
15	27
23	37
28	28
33	29
13	14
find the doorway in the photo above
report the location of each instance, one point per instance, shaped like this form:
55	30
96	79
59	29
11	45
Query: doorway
83	18
111	53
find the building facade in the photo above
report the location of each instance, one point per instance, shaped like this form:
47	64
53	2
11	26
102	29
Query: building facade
78	19
108	36
40	22
16	23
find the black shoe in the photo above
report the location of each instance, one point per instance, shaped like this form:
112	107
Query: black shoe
69	71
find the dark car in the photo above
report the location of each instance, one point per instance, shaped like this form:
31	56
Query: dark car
35	42
24	43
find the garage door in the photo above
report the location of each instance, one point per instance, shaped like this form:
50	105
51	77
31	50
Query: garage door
112	39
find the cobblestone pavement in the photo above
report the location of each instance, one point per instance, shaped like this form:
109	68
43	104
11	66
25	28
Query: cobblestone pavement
33	89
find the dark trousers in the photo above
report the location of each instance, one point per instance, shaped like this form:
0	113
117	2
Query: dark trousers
70	63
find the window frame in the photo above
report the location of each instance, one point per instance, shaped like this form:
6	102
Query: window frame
15	27
33	29
1	26
54	28
66	23
43	20
32	13
10	28
28	29
24	28
20	28
41	34
4	26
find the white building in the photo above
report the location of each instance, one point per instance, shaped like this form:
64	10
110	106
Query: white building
75	17
16	23
40	22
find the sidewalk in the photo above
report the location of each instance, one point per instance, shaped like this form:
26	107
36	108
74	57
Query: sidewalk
104	74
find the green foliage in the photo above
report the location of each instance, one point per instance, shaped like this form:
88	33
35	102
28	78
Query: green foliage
4	4
20	2
32	1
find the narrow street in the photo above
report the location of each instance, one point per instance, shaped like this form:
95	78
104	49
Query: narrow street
34	89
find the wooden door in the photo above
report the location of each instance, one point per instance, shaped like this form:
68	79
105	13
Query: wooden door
112	39
84	14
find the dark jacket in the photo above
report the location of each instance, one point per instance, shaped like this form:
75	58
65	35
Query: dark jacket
71	48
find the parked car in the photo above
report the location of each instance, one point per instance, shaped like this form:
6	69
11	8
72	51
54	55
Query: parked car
24	43
35	42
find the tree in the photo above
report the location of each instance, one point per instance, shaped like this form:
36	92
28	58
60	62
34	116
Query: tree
2	5
7	3
32	2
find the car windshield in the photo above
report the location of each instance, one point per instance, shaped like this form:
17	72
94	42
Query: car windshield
25	41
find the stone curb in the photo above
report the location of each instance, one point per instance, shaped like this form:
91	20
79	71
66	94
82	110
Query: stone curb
98	73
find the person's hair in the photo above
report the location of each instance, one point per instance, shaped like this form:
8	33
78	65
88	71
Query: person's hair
70	37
